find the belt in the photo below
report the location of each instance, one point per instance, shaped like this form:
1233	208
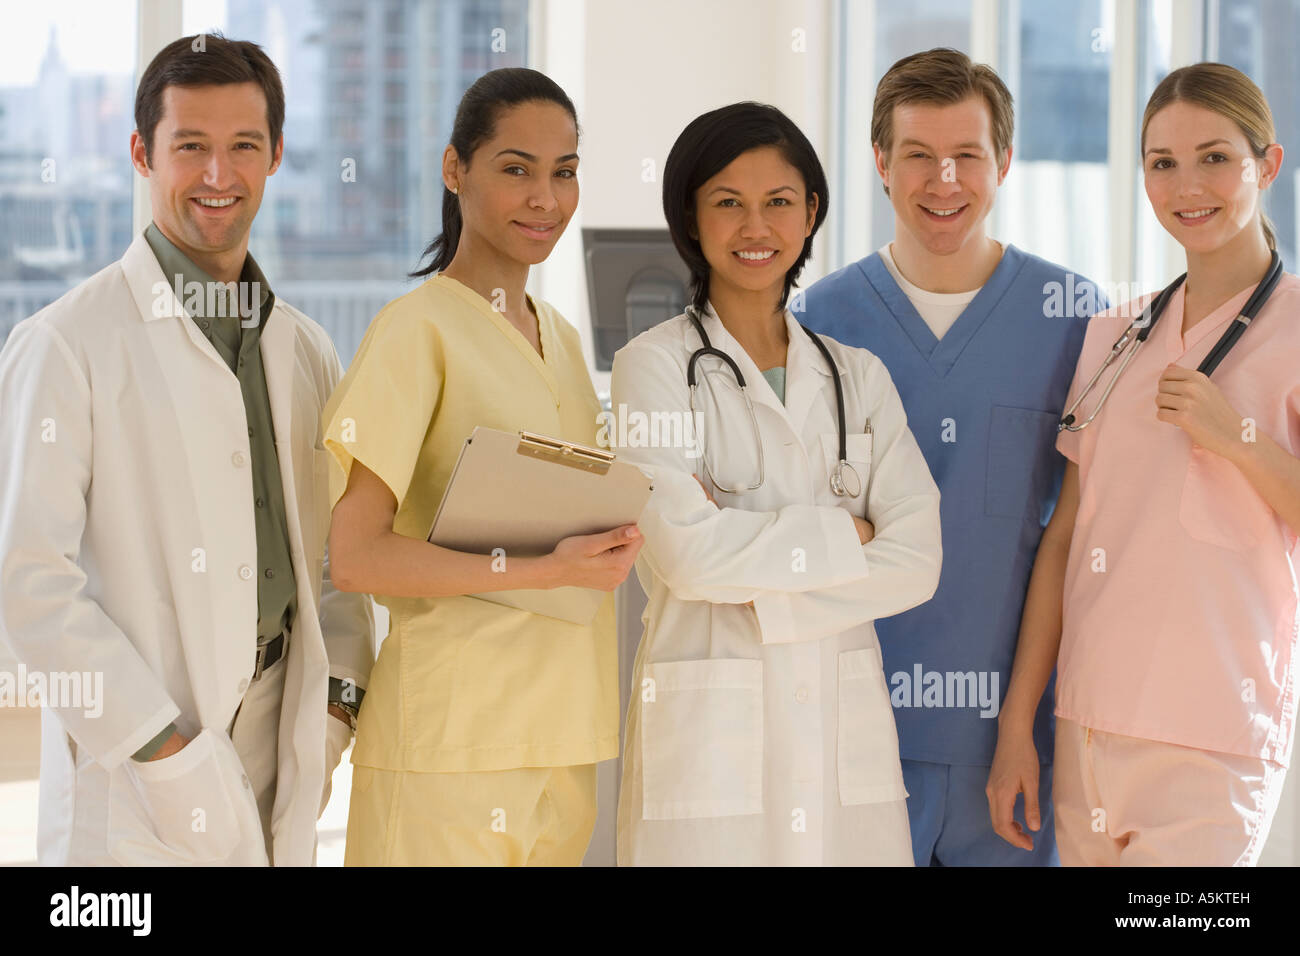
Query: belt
268	654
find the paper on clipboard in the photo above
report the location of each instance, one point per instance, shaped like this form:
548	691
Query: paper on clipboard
524	493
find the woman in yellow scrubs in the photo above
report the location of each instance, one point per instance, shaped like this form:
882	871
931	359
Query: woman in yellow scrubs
479	732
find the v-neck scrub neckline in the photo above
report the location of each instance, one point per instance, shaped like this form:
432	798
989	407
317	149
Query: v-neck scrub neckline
943	354
517	338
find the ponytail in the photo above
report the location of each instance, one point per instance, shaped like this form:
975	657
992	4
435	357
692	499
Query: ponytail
1270	236
443	248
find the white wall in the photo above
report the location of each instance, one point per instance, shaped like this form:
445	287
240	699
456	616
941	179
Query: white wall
633	100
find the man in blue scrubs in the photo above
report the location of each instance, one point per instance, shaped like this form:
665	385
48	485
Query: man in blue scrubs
981	340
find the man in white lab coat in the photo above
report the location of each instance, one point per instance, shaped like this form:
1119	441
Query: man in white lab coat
164	510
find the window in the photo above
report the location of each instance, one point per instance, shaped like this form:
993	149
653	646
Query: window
66	104
1258	37
368	112
1055	59
1081	72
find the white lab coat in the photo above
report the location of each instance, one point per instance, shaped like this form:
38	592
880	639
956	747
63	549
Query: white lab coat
765	735
128	549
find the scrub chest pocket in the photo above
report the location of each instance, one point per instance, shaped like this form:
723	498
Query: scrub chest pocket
1021	462
1211	481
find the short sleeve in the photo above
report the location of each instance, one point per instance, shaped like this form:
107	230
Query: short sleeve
380	412
1067	442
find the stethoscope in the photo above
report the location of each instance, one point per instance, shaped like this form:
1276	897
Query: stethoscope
1137	333
845	481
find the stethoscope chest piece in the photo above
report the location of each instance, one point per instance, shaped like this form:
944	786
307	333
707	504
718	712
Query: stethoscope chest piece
845	480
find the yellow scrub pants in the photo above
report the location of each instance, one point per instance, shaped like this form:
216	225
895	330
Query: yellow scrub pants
530	816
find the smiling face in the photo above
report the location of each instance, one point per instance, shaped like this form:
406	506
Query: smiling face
207	168
942	172
520	190
1201	177
751	220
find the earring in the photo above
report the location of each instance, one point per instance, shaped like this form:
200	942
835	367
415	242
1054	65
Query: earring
455	190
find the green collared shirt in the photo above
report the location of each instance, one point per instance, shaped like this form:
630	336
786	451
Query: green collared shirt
217	313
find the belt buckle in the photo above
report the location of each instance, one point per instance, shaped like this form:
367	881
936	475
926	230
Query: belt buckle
261	659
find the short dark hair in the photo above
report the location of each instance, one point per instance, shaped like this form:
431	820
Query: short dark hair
214	61
707	146
476	119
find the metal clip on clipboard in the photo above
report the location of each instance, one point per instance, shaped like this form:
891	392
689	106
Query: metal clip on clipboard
523	493
569	454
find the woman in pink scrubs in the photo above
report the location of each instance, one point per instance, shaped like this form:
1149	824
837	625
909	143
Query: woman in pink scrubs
1166	578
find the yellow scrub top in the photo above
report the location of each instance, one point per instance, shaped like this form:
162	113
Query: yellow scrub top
463	684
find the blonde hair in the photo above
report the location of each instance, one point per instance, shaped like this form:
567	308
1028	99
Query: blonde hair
1228	92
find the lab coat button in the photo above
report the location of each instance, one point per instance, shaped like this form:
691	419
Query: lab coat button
801	694
243	685
245	572
244	781
238	458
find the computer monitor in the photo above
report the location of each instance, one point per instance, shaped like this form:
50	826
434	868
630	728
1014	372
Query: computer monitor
635	280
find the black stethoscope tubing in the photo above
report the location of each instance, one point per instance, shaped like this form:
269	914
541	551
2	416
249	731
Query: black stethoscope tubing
708	349
1152	313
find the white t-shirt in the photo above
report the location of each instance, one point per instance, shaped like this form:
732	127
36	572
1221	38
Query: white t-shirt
938	309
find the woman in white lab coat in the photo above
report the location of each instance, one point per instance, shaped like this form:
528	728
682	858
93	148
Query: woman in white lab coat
760	729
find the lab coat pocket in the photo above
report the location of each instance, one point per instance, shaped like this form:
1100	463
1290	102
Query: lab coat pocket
702	739
858	449
1021	462
868	765
176	810
1212	482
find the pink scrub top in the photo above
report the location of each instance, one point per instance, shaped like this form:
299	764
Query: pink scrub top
1180	606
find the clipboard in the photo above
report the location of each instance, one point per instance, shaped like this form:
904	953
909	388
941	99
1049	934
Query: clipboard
526	492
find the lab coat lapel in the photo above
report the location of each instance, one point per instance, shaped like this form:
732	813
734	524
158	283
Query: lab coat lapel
155	295
807	376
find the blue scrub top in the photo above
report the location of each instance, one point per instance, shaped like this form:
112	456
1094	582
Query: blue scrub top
983	403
